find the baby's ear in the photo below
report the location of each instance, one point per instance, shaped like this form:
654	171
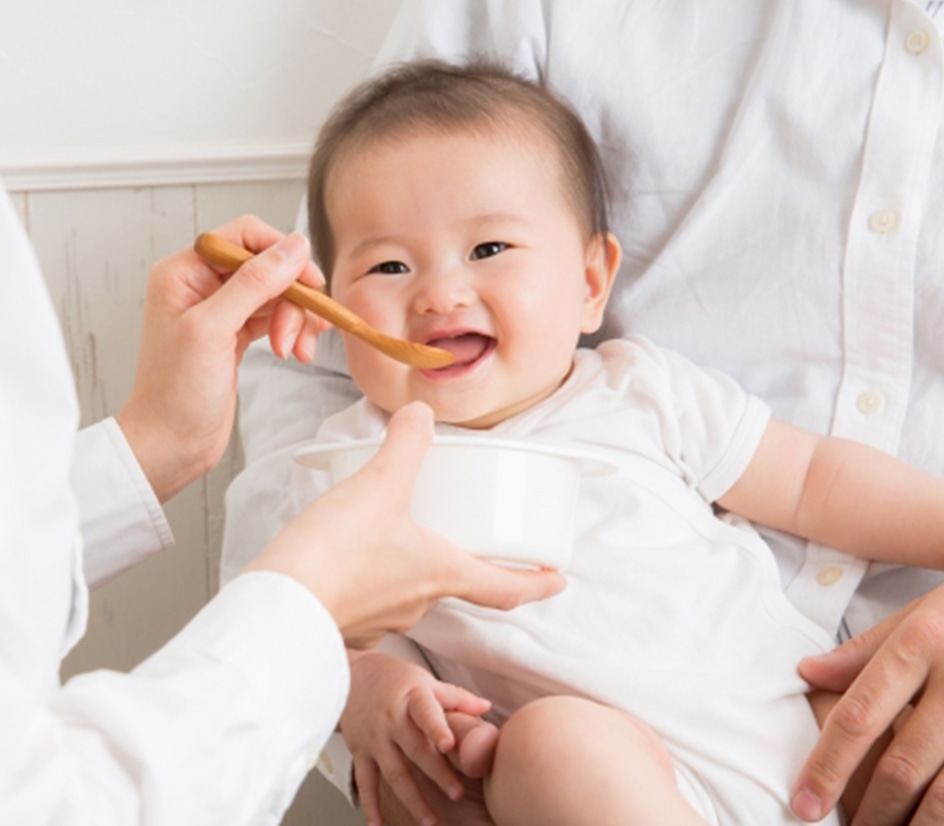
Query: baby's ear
602	260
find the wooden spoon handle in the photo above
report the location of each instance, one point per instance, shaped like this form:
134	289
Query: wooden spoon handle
218	250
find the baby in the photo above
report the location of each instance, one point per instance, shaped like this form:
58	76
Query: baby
465	208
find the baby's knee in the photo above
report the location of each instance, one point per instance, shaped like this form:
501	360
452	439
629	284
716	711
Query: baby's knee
540	744
545	728
532	749
554	740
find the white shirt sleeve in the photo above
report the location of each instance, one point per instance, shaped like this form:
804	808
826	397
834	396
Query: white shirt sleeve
218	727
120	518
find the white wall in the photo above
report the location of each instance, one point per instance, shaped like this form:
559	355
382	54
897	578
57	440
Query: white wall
127	127
111	80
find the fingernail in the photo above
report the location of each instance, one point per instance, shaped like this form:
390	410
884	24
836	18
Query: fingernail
807	805
293	247
309	348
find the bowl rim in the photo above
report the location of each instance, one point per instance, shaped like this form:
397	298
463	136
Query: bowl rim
590	463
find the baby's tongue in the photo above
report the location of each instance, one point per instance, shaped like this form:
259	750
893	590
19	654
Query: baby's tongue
466	348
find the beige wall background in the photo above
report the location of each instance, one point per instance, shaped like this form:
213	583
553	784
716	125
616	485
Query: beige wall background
128	128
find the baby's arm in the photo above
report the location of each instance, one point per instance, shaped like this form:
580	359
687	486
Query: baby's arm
842	494
396	714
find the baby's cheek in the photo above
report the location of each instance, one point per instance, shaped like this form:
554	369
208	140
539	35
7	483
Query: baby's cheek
379	378
361	364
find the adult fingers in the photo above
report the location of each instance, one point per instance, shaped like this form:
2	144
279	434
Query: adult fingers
256	282
866	710
409	434
931	810
494	586
907	777
293	330
836	670
254	234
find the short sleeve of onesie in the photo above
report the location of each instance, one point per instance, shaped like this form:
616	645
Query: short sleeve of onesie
711	427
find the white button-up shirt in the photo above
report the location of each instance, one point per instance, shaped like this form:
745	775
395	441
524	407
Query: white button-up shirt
776	170
220	726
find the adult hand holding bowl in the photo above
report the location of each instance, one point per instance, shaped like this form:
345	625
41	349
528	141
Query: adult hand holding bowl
509	501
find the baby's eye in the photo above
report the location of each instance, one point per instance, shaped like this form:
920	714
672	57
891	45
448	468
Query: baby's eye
488	249
390	268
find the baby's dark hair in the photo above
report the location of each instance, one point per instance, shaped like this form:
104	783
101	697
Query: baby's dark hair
431	95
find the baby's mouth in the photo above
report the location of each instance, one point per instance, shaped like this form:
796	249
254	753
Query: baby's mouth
468	348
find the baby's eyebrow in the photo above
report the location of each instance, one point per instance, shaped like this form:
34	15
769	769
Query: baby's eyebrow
481	221
497	217
370	243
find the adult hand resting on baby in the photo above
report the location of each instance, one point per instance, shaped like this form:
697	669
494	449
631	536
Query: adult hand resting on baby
881	673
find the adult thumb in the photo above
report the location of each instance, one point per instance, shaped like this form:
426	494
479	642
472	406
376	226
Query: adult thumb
409	435
836	670
259	280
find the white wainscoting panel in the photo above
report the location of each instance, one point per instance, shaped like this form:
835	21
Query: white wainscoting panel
19	204
96	248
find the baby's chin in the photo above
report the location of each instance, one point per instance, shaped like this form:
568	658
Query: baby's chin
479	419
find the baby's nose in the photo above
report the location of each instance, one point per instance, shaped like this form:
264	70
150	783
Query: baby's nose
444	291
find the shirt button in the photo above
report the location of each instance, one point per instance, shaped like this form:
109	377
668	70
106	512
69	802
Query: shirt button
829	575
883	221
917	41
869	403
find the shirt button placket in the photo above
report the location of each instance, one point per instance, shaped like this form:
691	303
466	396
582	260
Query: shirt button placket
877	277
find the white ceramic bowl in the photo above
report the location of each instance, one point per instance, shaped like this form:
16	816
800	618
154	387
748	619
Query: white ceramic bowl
509	501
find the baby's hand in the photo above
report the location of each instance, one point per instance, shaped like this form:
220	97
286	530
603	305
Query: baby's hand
476	740
396	713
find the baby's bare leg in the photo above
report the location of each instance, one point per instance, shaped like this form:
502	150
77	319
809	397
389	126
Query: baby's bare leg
569	761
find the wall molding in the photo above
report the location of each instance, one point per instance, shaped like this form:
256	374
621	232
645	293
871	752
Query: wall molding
120	167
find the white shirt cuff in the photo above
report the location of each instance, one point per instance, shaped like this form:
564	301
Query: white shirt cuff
121	519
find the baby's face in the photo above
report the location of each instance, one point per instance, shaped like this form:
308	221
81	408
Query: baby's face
464	242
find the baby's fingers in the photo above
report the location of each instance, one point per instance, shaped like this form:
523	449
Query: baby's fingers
455	698
367	780
396	771
425	755
429	714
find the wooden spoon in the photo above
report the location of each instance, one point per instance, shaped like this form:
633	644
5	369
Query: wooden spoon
217	250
